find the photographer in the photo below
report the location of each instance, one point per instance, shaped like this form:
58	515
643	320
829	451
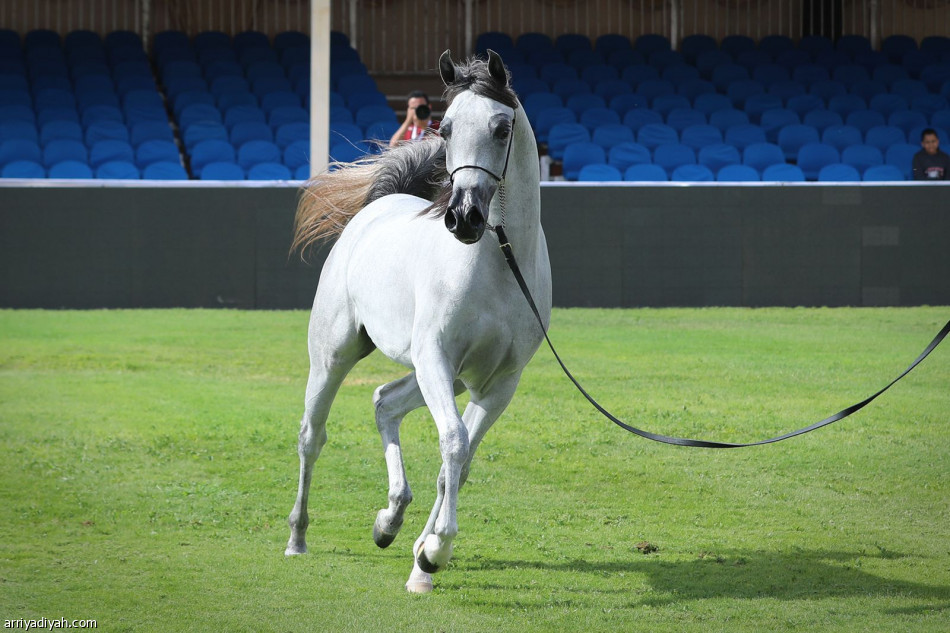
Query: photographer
418	119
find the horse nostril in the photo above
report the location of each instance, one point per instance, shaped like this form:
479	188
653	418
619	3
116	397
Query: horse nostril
475	218
450	221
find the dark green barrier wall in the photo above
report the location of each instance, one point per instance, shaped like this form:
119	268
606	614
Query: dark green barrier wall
610	246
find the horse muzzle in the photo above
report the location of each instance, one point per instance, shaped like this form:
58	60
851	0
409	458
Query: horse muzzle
466	222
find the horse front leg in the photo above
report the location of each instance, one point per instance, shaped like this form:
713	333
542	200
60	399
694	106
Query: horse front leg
480	414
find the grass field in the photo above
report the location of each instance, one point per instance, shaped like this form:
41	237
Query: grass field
149	464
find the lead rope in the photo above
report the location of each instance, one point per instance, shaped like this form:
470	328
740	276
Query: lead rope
679	441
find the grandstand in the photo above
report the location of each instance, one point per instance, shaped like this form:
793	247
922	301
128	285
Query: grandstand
208	102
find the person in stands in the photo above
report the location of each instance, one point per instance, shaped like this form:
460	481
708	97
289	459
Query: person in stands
930	163
418	119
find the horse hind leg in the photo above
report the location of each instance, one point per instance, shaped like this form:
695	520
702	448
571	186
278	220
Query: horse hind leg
327	372
392	402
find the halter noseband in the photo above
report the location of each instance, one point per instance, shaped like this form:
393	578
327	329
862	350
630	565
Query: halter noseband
504	171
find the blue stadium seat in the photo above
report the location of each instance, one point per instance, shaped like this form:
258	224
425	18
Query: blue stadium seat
551	73
18	129
285	99
838	172
895	46
941	119
222	170
118	170
581	59
578	103
491	40
295	114
597	73
827	89
359	100
350	132
243	114
563	134
652	135
743	135
803	104
622	59
680	73
822	119
110	150
907	120
652	43
59	150
841	136
612	134
595	117
889	73
269	171
709	103
775	45
724	75
148	130
700	136
883	136
636	118
23	169
653	88
693	173
901	155
19	149
887	103
693	45
198	113
302	172
611	88
599	173
741	90
737	173
909	88
18	112
864	120
815	44
71	169
718	155
850	74
201	131
291	132
164	170
228	100
665	104
814	156
623	155
681	118
783	173
869	89
297	154
736	44
693	88
346	152
253	152
847	104
937	45
728	118
645	173
156	151
576	155
621	104
708	61
532	41
882	173
792	137
761	155
609	43
539	101
929	104
549	118
669	156
212	151
774	120
862	156
526	86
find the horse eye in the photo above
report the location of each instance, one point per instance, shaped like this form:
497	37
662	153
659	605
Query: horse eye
445	131
502	131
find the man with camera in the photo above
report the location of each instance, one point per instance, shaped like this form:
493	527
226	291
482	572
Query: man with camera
418	119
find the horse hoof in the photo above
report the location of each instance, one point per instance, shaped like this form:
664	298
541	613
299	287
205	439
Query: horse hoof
293	550
382	539
425	564
420	585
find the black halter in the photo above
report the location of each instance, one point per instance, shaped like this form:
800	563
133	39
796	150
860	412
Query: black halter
504	171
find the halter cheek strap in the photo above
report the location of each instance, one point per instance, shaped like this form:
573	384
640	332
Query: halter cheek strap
504	171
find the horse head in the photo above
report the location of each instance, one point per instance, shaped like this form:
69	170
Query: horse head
478	130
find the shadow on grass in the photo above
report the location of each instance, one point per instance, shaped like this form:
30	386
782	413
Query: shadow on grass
798	575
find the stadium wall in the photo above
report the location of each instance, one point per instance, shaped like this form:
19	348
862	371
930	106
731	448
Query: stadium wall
611	246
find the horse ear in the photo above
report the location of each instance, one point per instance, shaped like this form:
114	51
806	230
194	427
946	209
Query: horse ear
496	68
447	68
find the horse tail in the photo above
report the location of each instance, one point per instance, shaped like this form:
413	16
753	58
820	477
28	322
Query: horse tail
330	200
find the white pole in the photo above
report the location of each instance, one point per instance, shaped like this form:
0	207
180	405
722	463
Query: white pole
469	28
319	85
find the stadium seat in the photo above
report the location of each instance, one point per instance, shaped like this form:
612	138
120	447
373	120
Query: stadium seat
638	117
838	172
653	88
609	89
343	152
599	173
578	103
699	136
597	73
250	131
693	88
549	118
622	104
551	73
118	170
783	173
929	104
565	88
813	156
23	169
612	134
869	89
19	149
164	170
71	169
59	150
707	61
883	136
882	173
222	171
156	151
669	156
776	119
737	173
725	119
681	118
717	156
269	171
709	103
292	132
645	173
861	157
907	120
110	150
623	155
595	117
211	151
822	119
895	46
297	154
537	102
803	104
864	120
744	135
761	155
693	45
576	155
692	173
847	104
901	155
736	44
609	43
792	137
742	90
653	134
841	136
758	104
302	172
563	134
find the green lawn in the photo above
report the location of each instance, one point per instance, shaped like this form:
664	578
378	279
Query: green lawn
149	463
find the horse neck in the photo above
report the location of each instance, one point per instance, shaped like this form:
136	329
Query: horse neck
522	190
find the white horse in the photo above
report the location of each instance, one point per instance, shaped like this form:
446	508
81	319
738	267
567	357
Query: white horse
413	278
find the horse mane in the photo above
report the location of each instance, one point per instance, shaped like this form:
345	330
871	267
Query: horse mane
329	201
